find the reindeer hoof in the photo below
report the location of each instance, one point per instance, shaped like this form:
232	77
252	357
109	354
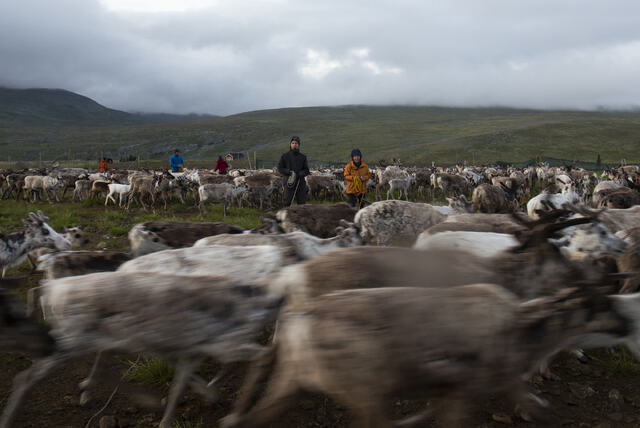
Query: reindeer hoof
523	414
548	375
229	421
83	385
86	399
581	356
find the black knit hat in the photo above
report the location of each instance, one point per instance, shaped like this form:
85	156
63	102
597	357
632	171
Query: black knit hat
356	152
295	138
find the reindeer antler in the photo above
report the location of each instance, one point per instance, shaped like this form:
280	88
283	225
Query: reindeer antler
584	211
539	233
546	217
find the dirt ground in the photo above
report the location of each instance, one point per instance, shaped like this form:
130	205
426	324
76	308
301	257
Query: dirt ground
586	396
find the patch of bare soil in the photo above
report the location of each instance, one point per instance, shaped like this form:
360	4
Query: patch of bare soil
585	396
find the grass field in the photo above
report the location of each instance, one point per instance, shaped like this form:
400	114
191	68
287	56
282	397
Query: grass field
107	227
416	135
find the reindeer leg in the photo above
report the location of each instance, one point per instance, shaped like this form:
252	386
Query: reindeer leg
140	199
24	381
259	370
280	389
89	381
456	411
184	371
200	386
528	405
415	419
31	262
367	407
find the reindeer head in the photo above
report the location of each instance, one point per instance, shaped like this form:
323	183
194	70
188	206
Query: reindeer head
76	236
40	234
593	238
348	234
459	204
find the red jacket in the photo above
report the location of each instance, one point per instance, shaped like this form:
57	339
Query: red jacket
221	165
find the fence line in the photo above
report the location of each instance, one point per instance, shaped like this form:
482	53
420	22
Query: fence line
256	162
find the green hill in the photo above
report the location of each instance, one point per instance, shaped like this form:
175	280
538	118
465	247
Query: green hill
416	135
57	107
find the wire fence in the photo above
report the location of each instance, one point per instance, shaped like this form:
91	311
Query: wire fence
256	163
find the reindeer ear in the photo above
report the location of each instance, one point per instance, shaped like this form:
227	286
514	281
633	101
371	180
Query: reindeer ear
42	216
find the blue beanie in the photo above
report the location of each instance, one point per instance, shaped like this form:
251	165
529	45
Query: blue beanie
355	152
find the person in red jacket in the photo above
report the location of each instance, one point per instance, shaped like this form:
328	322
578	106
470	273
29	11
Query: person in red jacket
104	166
221	166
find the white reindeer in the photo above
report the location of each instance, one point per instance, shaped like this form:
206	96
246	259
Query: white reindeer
122	190
15	246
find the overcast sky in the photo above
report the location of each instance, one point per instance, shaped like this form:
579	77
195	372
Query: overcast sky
230	56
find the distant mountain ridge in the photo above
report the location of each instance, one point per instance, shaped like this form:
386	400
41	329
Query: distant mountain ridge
46	107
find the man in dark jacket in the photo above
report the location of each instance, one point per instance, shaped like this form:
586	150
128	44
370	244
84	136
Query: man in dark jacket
293	166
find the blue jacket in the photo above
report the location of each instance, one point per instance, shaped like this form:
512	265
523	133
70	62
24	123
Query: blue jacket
176	161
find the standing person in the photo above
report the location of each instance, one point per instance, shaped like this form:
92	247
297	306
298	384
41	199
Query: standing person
104	166
176	162
356	174
221	166
293	165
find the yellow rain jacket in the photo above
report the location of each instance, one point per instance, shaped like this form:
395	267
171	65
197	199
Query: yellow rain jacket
351	171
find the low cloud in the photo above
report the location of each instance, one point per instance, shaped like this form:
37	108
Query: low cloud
320	64
213	56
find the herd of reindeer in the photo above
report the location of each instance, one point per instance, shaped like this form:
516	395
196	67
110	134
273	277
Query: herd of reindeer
396	300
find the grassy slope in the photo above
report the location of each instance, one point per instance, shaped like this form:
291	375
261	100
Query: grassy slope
414	134
107	227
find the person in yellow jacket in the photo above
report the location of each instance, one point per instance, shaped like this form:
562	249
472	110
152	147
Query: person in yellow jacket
356	175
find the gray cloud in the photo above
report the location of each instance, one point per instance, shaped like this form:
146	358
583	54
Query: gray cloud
230	57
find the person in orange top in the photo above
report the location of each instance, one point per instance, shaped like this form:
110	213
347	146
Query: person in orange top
356	174
104	166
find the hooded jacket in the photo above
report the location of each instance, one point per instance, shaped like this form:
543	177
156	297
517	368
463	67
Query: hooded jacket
293	161
351	170
176	162
221	165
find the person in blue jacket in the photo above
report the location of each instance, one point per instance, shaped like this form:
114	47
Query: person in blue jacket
176	162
